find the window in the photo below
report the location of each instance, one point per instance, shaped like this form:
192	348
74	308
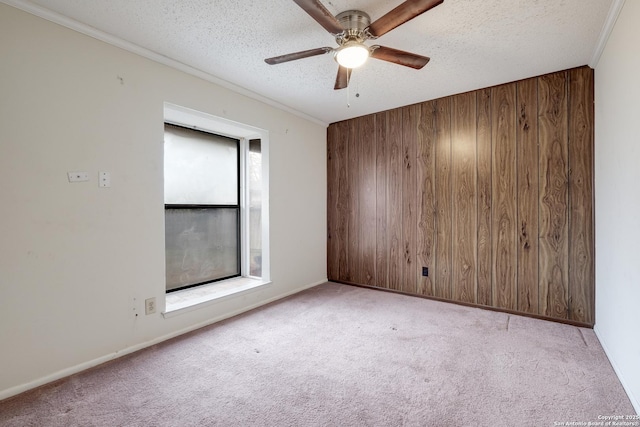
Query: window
202	207
255	208
216	203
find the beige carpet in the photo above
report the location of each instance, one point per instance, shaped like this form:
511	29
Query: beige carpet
337	355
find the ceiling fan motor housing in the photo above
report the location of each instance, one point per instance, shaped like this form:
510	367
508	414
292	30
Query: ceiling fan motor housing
354	23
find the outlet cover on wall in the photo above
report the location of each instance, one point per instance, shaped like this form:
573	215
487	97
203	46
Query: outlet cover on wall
150	306
104	179
78	176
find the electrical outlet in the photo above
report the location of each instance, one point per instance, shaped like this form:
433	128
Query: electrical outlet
150	305
425	271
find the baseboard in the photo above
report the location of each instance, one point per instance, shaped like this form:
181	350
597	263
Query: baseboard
13	391
468	304
627	389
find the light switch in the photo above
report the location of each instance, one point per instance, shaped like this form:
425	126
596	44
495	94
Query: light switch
105	179
78	176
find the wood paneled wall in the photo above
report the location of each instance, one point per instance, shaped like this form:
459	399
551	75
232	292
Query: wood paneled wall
491	190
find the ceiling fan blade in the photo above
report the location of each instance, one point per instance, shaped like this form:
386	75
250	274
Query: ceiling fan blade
399	57
322	16
297	55
342	79
401	14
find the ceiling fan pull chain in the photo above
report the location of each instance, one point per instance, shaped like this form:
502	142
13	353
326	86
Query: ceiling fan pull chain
348	78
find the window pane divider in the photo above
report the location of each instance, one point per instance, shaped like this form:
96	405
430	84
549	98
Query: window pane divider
179	206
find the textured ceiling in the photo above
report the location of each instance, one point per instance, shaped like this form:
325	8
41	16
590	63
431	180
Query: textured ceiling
472	44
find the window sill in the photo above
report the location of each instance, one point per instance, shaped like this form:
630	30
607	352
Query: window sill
180	302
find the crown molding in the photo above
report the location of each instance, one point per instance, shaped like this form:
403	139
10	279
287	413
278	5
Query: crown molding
90	31
609	23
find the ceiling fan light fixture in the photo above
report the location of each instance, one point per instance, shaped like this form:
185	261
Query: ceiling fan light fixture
352	54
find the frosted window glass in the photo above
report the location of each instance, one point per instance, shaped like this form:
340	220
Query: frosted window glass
199	168
255	208
201	245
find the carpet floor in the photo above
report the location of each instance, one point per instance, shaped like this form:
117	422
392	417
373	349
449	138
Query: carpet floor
338	355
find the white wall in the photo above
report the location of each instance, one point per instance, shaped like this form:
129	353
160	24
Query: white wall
617	176
74	256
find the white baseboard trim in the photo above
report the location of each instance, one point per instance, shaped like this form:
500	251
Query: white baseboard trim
627	389
13	391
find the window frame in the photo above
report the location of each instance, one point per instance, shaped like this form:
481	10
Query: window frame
197	120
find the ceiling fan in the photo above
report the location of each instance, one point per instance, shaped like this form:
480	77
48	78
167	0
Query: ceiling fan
352	28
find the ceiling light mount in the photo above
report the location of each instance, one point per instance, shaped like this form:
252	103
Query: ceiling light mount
354	23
